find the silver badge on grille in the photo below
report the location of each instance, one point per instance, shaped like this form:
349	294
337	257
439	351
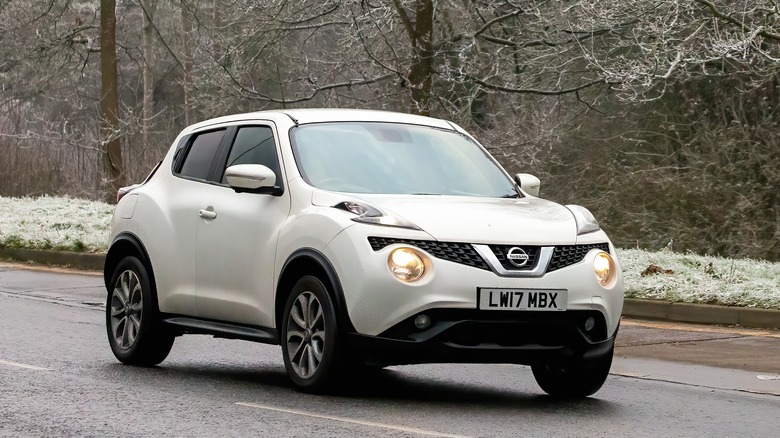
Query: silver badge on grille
517	256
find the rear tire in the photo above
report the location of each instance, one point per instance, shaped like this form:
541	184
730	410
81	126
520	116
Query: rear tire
132	320
574	379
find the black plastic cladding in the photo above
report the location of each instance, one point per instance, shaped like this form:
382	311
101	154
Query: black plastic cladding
462	253
564	256
465	254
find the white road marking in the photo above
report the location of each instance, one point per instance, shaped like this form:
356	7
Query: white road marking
765	377
353	421
22	365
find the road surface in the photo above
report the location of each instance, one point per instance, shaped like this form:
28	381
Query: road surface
59	378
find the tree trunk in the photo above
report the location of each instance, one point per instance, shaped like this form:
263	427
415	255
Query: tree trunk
149	9
420	32
217	29
109	101
186	26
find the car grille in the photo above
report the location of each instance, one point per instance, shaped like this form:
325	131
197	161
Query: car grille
564	256
500	251
465	254
462	253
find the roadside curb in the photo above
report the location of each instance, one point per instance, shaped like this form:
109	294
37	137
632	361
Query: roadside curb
77	260
702	313
632	308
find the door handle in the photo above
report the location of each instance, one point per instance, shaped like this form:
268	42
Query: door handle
207	214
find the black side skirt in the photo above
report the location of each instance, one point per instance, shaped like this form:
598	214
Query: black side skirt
186	325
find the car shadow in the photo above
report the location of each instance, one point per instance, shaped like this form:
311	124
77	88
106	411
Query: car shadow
390	384
378	385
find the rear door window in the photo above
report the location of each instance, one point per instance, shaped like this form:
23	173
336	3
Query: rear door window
200	157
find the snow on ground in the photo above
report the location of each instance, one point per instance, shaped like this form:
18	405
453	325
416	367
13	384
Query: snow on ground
55	223
80	225
701	279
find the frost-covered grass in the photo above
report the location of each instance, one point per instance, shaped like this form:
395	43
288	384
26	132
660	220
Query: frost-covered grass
55	223
79	225
701	279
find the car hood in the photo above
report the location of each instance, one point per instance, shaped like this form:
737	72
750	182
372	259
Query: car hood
531	221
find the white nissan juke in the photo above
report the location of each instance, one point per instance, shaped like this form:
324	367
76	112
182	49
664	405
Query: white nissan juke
359	239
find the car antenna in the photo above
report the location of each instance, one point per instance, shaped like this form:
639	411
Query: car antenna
292	118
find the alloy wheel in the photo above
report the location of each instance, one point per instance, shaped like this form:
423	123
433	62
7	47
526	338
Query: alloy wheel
306	334
126	310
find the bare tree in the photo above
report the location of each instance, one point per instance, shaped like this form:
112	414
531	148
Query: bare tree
149	8
109	97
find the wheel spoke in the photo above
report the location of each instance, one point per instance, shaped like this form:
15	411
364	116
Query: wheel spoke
317	318
135	325
311	359
319	336
318	344
119	329
303	300
119	295
126	334
311	308
292	334
125	281
295	351
132	286
301	361
297	318
117	306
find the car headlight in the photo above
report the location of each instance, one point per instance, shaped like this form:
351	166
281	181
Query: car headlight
405	264
604	268
369	214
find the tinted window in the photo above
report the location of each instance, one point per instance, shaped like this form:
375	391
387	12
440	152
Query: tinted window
254	145
201	154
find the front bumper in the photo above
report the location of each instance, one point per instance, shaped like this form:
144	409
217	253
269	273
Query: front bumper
375	301
476	336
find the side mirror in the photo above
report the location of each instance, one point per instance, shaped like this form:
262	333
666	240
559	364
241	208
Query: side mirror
529	183
254	178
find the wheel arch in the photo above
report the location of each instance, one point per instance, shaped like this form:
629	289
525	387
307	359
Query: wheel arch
127	244
309	261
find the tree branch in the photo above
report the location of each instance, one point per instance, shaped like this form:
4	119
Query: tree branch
505	89
718	14
317	90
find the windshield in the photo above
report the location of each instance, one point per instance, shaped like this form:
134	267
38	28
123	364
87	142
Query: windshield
392	158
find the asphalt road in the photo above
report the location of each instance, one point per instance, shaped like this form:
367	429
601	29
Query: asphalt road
59	378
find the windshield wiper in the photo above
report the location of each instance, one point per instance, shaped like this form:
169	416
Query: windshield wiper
516	194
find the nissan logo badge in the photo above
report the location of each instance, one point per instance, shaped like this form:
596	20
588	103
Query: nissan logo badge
517	256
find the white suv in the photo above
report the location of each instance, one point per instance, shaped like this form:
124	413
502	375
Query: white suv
359	239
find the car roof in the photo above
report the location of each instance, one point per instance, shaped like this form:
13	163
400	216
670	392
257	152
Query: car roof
320	115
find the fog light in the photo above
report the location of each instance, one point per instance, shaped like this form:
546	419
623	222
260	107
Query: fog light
603	267
590	323
422	322
405	264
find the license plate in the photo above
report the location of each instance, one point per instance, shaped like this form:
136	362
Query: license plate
522	299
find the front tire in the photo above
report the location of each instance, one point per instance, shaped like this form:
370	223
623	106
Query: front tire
310	341
574	379
132	320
